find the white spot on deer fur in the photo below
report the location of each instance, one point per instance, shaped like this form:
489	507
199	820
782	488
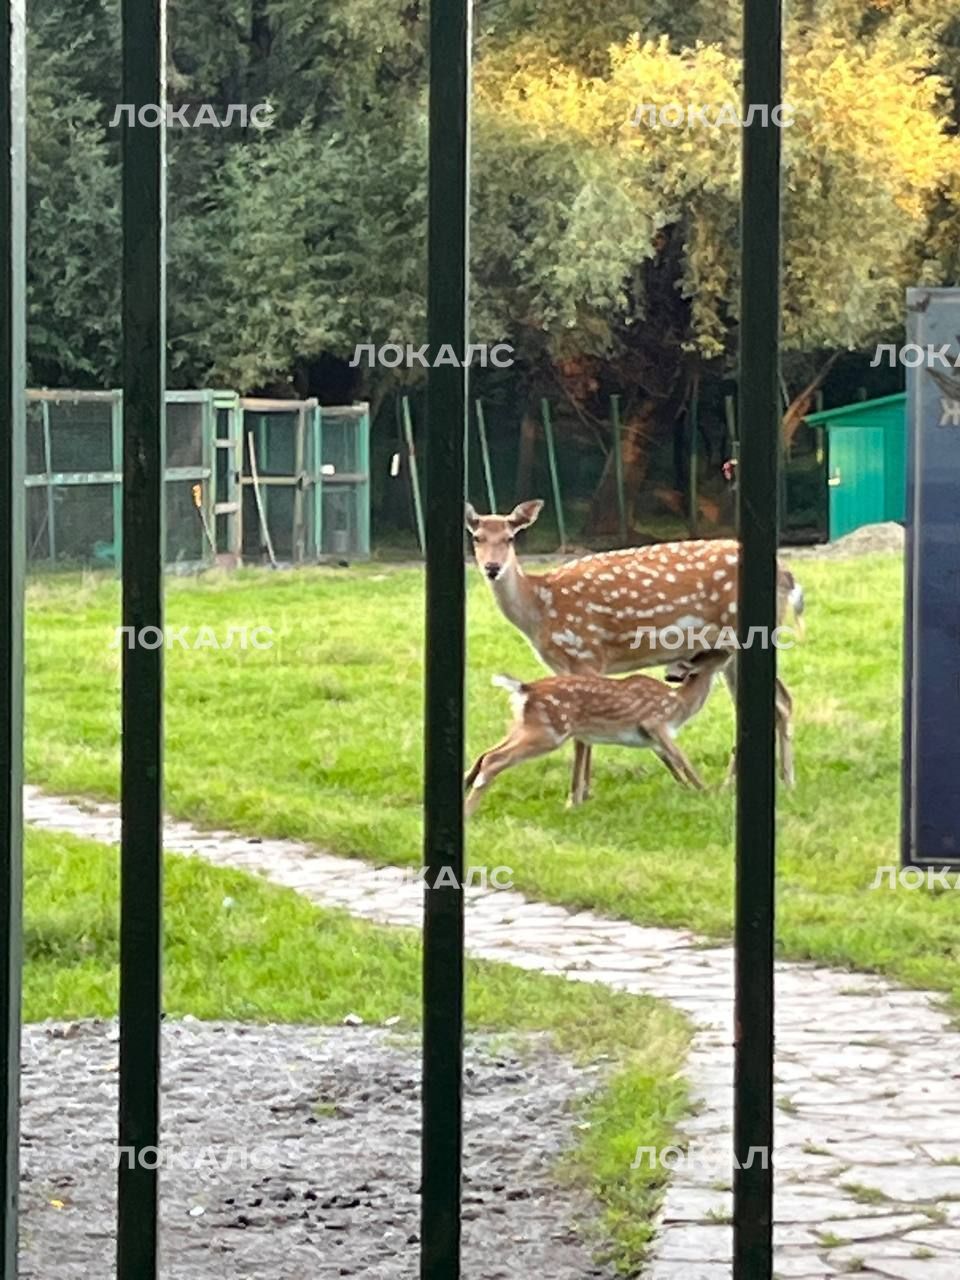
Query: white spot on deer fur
732	607
553	613
567	640
732	559
671	577
714	597
728	585
689	620
661	596
718	574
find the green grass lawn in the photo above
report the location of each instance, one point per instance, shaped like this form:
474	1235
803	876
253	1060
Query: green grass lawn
240	948
320	737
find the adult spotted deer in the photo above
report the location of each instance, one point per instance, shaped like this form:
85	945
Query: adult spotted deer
637	711
620	611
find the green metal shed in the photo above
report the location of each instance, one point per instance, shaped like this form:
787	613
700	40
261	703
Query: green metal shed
866	462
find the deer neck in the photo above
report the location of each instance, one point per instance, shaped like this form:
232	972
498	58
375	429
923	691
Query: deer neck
518	600
695	691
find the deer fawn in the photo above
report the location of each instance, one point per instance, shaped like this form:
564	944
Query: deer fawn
608	613
637	711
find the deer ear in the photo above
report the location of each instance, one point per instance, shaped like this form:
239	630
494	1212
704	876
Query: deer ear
524	513
471	519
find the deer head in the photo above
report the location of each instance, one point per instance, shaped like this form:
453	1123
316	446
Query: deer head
493	536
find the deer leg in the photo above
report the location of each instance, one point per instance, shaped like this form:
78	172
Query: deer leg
784	712
677	762
514	749
576	778
730	675
784	707
580	778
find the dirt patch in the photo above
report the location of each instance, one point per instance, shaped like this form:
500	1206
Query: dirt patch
869	539
294	1151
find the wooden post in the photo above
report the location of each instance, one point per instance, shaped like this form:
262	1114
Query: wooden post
414	474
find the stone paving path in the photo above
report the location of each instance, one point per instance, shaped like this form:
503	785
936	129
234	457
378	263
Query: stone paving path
868	1120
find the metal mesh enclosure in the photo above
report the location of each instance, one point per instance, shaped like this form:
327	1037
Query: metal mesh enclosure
306	480
74	480
234	469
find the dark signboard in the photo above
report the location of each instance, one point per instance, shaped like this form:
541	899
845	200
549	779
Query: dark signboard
931	739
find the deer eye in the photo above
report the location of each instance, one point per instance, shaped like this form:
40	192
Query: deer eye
479	537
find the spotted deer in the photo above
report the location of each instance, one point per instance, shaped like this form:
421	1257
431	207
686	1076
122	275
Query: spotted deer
637	711
610	613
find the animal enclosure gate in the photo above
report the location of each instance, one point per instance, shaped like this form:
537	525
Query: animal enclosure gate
306	466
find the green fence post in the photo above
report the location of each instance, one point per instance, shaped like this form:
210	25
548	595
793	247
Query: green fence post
13	393
116	488
363	491
618	466
448	205
759	465
414	473
48	487
485	453
141	783
554	477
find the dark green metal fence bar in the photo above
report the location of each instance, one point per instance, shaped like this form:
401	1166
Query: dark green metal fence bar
554	474
618	466
141	786
759	430
12	535
485	454
447	407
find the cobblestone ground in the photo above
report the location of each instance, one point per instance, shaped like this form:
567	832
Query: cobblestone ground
868	1120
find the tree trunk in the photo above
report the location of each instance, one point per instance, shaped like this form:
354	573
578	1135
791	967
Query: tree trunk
528	448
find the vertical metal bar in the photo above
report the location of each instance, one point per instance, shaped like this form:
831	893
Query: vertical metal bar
554	474
13	393
298	449
414	473
443	841
363	491
485	454
48	488
318	481
618	466
141	783
208	418
116	451
759	458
